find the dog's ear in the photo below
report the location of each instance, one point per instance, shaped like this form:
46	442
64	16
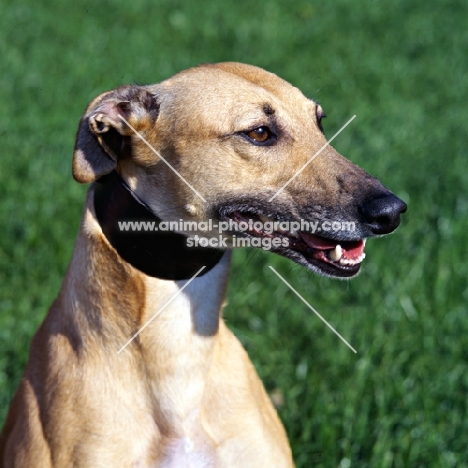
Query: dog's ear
103	134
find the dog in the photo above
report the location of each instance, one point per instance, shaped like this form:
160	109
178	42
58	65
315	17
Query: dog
226	142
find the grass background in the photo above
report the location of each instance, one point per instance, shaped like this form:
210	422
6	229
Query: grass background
401	66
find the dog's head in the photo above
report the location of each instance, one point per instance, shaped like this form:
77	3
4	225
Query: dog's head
237	144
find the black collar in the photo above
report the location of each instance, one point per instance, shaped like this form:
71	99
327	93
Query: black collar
162	254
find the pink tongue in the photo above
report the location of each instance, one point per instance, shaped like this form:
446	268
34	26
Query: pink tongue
355	251
319	243
351	249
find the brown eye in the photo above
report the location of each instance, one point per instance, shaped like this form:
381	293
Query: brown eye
260	134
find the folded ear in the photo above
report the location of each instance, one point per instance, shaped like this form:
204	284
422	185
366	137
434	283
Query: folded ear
103	135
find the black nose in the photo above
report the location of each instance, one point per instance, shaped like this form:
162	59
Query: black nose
382	214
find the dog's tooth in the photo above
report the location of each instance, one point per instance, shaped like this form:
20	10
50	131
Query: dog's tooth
336	253
263	219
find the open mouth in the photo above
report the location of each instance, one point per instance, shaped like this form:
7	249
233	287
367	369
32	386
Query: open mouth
324	255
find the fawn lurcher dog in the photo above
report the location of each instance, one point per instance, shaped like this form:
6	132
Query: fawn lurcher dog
183	393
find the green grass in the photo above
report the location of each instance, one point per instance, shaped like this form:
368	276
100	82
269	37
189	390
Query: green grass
401	66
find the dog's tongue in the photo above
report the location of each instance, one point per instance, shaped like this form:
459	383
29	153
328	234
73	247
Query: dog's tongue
350	249
316	242
353	250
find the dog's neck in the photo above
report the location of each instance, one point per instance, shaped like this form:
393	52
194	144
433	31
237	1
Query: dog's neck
132	229
108	301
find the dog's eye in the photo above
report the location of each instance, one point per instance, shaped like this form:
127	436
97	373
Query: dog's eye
320	115
260	134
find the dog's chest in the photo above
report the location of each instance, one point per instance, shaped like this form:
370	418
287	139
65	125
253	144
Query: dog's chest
189	453
178	372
